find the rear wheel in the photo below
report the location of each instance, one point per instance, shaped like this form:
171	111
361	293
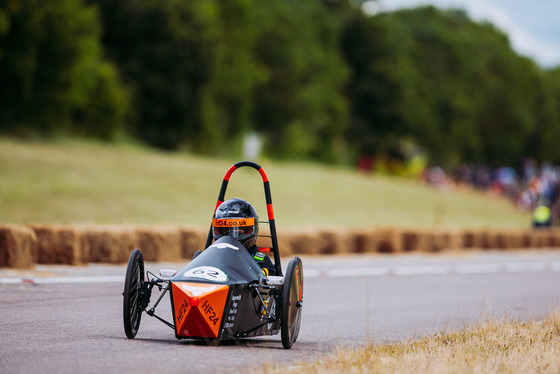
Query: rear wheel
292	302
133	293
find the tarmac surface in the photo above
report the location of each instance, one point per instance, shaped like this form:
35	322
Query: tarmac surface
69	319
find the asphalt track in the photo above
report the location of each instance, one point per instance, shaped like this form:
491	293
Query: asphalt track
69	319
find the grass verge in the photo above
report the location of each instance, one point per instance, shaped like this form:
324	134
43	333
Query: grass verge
492	347
85	182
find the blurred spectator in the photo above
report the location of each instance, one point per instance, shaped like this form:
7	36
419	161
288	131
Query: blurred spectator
542	217
531	186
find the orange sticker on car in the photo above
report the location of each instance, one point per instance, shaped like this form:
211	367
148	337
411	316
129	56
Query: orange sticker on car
233	222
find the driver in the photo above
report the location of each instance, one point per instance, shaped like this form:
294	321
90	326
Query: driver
237	218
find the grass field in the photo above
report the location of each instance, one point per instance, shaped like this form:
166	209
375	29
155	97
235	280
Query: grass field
72	181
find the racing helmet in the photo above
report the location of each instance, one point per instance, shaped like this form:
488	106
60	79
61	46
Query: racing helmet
237	218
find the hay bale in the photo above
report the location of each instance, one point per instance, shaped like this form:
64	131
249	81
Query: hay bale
433	241
389	240
473	238
160	242
490	239
17	247
284	243
539	238
193	238
527	238
555	238
301	241
532	239
515	239
363	240
58	245
453	239
545	238
442	239
413	240
108	243
549	238
375	239
333	241
503	239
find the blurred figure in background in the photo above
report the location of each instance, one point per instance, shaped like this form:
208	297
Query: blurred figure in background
542	216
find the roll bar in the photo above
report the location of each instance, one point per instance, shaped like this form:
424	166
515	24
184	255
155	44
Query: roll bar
269	208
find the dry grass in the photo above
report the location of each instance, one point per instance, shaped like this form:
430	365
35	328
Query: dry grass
492	347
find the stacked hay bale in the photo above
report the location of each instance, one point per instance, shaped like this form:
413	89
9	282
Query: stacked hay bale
473	238
59	245
333	241
192	239
389	240
509	239
299	241
375	240
23	247
555	238
160	242
18	247
443	239
414	240
108	243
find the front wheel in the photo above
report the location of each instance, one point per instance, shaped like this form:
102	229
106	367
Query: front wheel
292	302
133	293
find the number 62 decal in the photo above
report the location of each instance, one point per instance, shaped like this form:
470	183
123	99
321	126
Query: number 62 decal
207	272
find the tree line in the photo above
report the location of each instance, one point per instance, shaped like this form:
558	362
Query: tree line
318	79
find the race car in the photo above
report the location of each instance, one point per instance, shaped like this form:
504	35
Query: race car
222	294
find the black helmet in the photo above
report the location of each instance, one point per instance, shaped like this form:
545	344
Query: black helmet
236	217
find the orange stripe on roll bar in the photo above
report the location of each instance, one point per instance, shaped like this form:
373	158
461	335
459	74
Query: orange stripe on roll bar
217	205
263	175
270	211
229	172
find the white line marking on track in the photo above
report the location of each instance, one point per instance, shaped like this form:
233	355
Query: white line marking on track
91	279
465	269
524	267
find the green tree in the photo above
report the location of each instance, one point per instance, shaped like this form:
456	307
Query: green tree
205	73
51	69
300	104
162	50
452	85
191	68
546	103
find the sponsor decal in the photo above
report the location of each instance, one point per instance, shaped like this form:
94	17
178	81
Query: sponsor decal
210	273
233	222
182	311
210	312
232	312
225	245
197	291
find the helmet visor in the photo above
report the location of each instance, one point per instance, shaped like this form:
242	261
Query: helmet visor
239	228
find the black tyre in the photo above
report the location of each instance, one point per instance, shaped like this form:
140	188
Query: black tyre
292	302
133	293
